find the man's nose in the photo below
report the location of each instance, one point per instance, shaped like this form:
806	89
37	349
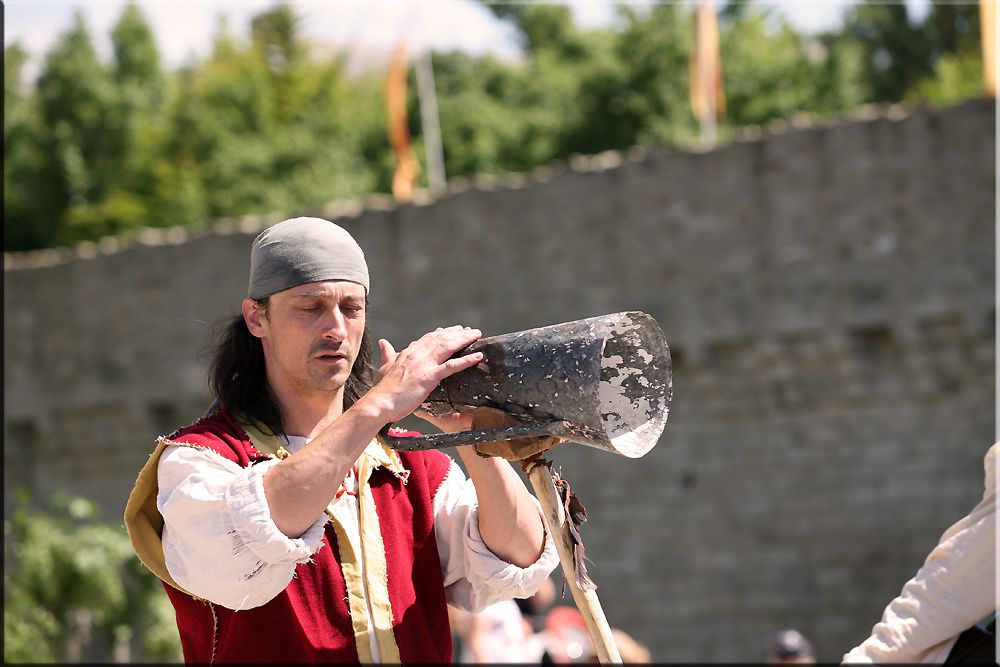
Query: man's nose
335	325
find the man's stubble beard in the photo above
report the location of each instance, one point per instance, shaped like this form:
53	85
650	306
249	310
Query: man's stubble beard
318	382
313	381
309	385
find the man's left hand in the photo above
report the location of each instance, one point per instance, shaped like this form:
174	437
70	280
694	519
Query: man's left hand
456	421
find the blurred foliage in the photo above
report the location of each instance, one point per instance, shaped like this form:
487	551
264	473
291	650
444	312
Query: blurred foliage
64	561
95	148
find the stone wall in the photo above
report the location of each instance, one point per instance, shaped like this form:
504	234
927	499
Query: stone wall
828	296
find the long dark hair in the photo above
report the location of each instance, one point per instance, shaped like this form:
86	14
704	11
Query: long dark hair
238	378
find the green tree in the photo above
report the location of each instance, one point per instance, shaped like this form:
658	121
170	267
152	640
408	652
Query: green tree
75	96
838	81
952	28
141	92
896	53
137	61
178	196
277	43
496	117
544	27
638	93
65	561
953	32
15	101
133	134
66	130
23	162
275	130
770	70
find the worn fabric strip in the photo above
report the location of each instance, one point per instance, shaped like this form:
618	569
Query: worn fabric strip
376	570
351	568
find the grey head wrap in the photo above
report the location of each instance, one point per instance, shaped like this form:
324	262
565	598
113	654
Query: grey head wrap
304	250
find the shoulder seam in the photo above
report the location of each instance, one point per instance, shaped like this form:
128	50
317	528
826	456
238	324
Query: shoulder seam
176	443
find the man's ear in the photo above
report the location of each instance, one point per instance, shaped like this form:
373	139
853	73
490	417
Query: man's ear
255	318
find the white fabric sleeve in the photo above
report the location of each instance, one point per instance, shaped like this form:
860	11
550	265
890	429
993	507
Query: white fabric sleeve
219	541
952	591
474	577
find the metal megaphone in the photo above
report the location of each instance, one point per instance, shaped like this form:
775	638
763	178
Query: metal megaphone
604	382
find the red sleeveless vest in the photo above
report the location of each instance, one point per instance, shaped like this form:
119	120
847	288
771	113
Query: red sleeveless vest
310	620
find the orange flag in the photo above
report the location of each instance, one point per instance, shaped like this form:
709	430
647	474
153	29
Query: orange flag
987	30
705	83
407	167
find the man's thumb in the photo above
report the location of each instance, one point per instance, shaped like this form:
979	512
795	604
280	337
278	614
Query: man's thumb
387	352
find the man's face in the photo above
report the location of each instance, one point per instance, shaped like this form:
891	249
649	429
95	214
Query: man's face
311	335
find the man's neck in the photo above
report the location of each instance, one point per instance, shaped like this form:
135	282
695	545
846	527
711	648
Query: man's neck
307	415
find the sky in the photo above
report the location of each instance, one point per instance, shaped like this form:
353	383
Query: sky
367	28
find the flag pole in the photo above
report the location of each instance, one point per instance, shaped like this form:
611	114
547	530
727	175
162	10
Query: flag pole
708	127
429	121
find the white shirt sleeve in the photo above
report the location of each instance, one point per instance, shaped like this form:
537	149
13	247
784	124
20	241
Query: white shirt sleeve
219	541
474	577
953	590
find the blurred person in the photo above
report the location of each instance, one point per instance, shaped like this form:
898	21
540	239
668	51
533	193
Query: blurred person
460	622
630	650
535	607
934	618
567	640
788	647
500	634
282	528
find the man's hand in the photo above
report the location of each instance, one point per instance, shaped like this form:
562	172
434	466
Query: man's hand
406	378
517	449
456	421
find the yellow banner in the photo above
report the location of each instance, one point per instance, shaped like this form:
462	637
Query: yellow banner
705	84
407	166
987	27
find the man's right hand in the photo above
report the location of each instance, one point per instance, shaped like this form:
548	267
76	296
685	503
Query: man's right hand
406	378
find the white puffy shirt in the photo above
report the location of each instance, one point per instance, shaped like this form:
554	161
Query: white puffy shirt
220	543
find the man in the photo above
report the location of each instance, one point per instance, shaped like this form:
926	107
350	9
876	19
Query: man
936	617
788	647
283	530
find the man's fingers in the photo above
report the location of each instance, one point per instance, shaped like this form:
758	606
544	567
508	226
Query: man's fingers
451	340
453	366
442	343
435	348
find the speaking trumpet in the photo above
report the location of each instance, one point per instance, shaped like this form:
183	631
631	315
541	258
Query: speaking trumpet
604	382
